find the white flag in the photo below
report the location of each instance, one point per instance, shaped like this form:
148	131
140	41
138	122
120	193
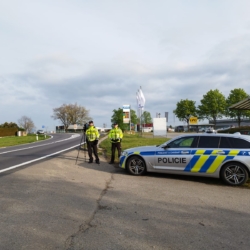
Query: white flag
142	98
138	100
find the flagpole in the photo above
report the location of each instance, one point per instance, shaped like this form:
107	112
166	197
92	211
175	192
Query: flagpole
130	119
137	109
141	122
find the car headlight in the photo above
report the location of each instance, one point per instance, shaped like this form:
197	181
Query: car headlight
124	153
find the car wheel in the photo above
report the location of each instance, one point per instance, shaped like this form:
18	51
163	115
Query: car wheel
136	166
234	174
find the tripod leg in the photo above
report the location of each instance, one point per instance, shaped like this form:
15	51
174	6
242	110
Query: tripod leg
85	142
79	147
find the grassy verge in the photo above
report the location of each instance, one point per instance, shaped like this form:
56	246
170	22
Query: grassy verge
130	141
17	140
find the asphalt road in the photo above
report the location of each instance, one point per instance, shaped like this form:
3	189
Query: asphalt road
17	156
57	204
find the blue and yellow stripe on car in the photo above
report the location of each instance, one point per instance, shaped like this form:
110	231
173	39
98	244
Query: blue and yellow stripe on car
203	161
208	161
122	161
122	158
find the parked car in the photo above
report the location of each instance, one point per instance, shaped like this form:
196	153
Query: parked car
202	129
170	129
210	130
207	130
40	131
225	156
179	129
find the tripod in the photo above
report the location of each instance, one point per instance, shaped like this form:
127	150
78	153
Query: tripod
83	137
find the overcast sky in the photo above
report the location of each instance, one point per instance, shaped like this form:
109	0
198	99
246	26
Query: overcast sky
97	53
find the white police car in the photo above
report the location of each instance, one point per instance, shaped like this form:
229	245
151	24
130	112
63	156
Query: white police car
225	156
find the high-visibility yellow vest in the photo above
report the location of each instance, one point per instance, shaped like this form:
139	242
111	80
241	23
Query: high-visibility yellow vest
115	134
92	133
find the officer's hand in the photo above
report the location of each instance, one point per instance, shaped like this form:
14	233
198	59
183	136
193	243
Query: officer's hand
120	140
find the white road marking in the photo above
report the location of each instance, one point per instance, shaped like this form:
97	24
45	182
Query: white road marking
73	136
38	159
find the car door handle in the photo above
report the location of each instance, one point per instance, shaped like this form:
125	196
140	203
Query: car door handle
220	153
184	152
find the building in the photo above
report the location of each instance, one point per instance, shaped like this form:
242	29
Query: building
230	123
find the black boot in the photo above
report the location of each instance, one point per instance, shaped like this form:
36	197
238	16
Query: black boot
90	160
97	161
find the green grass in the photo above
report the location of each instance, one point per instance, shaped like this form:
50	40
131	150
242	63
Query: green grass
131	141
18	140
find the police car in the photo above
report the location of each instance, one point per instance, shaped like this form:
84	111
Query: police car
225	156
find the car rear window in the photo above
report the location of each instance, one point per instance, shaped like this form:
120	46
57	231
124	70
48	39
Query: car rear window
208	142
227	142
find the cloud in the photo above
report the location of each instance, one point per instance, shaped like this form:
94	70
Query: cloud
99	53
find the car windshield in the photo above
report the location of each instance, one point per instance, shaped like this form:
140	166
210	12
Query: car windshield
183	142
162	145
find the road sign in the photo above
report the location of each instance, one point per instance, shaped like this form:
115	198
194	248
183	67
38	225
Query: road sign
75	126
193	120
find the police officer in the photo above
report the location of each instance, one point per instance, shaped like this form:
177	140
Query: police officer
115	136
92	137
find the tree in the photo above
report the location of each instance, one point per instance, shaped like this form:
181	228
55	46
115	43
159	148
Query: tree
70	114
146	117
9	125
212	106
185	109
118	117
237	95
26	123
133	116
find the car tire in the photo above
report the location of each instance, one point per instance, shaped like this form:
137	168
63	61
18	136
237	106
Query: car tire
136	166
234	174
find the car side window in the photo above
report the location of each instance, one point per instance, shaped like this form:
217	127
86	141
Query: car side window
209	142
225	143
185	142
234	143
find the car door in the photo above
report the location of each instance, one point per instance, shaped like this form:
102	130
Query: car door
176	155
207	157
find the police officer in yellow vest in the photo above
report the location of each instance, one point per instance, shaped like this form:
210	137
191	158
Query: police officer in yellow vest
92	137
115	136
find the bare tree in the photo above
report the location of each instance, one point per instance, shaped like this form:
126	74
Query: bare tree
26	123
70	114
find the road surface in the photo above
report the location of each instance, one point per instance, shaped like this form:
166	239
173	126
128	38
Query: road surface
18	156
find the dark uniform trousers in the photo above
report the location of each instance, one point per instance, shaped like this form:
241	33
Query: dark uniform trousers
115	145
92	148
